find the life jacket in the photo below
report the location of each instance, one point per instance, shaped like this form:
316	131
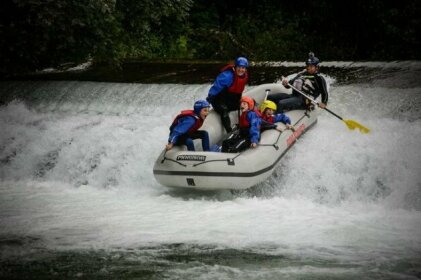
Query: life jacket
244	123
268	119
198	121
307	84
239	82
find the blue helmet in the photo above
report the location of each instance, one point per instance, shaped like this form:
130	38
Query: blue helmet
242	61
312	60
199	105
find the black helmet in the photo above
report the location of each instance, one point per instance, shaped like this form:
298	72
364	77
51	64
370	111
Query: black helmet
312	60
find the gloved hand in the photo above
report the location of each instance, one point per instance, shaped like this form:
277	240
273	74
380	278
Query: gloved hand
210	98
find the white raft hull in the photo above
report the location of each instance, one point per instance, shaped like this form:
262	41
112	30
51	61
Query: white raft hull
217	171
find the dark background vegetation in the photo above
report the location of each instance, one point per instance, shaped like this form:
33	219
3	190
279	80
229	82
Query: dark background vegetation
36	34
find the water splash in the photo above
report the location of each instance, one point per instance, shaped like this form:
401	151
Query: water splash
76	173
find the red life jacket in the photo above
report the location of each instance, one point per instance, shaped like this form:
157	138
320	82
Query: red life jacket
244	123
185	113
239	82
267	119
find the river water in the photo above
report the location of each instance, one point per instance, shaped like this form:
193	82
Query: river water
78	198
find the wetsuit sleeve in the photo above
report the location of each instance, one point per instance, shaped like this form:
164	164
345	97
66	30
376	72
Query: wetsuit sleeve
223	80
183	126
323	89
254	130
282	118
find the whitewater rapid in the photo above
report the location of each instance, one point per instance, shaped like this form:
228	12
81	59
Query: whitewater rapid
76	173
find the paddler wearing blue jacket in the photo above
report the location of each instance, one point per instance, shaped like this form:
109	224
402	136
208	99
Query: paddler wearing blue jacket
226	91
185	127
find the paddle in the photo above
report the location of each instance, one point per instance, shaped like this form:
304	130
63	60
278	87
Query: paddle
267	91
351	124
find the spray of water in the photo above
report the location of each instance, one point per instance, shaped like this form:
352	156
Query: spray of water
76	171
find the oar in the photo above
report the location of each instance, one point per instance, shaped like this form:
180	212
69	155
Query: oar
267	91
351	124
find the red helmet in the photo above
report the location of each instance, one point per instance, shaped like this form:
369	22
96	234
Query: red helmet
249	101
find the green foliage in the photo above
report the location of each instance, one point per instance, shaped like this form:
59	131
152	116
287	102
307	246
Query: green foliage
49	33
152	28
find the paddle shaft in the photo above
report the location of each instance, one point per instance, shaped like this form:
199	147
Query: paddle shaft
315	102
351	124
339	117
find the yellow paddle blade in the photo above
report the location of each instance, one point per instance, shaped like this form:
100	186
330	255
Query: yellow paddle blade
353	125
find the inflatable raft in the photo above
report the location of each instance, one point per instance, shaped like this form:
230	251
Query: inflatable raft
216	170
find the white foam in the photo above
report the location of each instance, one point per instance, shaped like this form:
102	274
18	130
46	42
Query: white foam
409	64
79	175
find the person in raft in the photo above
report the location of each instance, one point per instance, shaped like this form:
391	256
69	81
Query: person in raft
185	127
226	91
269	119
309	81
249	129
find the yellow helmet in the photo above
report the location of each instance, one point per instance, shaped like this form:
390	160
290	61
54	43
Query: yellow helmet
267	104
